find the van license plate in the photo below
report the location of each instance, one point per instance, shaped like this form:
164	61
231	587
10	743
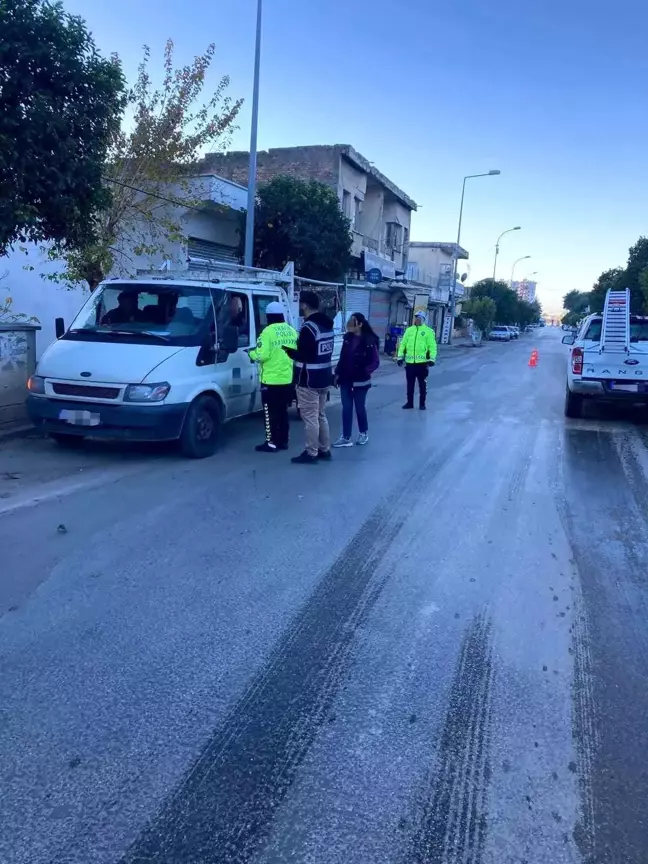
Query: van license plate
79	418
627	388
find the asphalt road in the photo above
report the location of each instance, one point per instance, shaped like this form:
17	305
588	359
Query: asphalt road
433	649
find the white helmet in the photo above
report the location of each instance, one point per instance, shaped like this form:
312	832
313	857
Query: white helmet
274	308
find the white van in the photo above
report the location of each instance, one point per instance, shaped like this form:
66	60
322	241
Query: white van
156	358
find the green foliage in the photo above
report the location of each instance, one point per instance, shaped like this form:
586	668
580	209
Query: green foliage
509	309
301	221
482	310
506	300
150	169
633	276
60	105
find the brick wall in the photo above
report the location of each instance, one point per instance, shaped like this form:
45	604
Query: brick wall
308	163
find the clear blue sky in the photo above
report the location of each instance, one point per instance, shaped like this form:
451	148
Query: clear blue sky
554	96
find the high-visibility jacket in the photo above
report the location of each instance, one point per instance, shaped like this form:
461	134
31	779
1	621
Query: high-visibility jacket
276	365
418	344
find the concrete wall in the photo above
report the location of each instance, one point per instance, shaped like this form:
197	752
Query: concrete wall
308	163
17	362
372	223
34	296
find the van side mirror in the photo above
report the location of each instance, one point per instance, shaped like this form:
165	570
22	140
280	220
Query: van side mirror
569	340
59	327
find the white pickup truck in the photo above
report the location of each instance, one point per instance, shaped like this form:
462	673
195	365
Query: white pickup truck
608	360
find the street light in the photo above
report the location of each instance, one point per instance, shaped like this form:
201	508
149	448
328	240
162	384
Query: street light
508	231
252	170
455	257
515	263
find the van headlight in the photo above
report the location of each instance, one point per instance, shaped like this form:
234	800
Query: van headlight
146	392
36	384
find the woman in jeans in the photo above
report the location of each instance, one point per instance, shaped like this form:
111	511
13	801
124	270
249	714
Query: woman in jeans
358	360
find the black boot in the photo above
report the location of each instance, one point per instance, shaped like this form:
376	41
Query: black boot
422	406
407	406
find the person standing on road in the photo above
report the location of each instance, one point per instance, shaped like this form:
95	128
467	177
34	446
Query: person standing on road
358	361
418	350
276	376
314	376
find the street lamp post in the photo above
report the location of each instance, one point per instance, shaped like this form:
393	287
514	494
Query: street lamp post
455	256
252	171
508	231
515	263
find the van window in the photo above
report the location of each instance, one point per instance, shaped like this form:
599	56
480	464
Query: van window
146	313
235	312
260	303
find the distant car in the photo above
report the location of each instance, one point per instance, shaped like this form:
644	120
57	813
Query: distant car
500	334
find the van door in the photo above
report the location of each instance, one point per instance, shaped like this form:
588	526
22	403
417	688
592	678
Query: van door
238	374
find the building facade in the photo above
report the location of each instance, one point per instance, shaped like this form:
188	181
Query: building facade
432	263
379	212
525	290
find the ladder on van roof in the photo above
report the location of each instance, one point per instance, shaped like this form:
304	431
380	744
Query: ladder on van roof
615	332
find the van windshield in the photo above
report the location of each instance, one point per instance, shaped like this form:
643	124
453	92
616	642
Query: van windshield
146	313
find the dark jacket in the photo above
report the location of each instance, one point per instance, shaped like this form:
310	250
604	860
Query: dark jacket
313	366
358	361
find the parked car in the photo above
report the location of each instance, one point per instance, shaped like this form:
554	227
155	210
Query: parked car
500	334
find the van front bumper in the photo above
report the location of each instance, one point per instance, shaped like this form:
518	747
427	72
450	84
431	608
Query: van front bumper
126	422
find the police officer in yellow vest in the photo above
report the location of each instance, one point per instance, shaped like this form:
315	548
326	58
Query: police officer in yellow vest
418	350
276	376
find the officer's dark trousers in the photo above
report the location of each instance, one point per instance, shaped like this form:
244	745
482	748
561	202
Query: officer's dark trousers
275	398
416	372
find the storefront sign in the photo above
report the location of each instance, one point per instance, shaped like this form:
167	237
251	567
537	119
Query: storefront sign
377	262
374	276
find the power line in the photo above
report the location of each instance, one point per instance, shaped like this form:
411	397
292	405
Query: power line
153	194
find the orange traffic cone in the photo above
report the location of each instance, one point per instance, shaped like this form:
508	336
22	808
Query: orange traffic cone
533	359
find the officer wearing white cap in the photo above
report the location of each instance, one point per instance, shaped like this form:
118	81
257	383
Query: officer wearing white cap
418	350
276	376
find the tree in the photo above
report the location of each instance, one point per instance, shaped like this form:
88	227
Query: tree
528	313
633	276
482	310
151	168
60	105
301	221
506	300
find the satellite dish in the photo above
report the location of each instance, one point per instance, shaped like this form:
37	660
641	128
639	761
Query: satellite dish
464	277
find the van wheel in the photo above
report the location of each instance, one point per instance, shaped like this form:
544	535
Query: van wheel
573	404
202	428
67	441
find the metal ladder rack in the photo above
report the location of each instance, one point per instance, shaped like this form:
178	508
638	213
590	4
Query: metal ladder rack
615	332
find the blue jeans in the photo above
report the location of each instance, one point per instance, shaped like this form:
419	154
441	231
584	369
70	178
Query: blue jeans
353	395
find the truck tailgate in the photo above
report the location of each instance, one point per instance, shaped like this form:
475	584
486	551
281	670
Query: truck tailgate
621	371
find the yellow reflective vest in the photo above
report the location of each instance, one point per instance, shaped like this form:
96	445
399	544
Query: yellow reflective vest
418	344
276	365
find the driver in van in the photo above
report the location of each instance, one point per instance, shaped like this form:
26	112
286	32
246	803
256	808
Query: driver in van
126	311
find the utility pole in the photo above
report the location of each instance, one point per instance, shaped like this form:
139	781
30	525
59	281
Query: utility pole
252	171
